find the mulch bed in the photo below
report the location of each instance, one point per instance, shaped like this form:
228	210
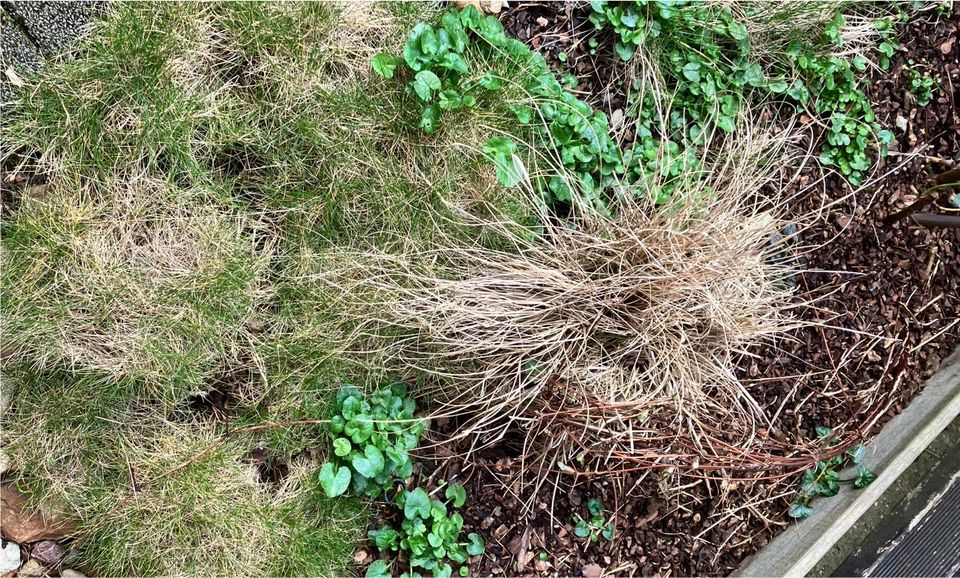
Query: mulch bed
891	301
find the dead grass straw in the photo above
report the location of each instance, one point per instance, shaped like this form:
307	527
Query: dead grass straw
609	340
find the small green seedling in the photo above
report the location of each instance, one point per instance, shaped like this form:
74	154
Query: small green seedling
596	526
592	44
824	479
921	86
429	535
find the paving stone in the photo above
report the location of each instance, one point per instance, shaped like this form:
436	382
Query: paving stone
54	25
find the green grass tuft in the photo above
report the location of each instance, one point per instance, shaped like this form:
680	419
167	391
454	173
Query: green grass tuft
194	165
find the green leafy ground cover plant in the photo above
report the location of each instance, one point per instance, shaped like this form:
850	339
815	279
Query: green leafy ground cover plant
707	55
429	534
824	479
370	458
921	85
596	525
574	135
373	437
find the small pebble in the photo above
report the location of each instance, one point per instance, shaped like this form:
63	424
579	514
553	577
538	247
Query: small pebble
9	557
32	568
47	552
69	573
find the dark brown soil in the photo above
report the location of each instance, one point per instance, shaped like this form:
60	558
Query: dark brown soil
892	305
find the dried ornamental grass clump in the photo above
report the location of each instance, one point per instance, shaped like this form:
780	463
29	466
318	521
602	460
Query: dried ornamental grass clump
609	337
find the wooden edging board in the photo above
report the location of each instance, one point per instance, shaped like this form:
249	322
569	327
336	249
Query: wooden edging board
796	550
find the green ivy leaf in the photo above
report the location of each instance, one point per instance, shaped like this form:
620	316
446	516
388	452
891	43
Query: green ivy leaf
384	65
864	477
385	538
341	447
475	547
430	118
457	493
425	83
753	75
370	463
359	429
490	81
625	50
334	483
691	71
857	453
417	504
608	530
580	528
453	61
350	407
450	99
799	510
428	41
595	506
726	124
737	31
523	113
379	569
778	87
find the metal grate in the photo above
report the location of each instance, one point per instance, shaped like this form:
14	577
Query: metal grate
930	546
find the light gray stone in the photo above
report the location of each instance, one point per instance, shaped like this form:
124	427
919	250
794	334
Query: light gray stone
68	573
10	557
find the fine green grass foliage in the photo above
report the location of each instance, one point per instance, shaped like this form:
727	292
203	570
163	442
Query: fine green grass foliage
194	166
151	497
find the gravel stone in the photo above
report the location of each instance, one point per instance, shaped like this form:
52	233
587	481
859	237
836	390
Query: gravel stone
9	557
69	573
47	552
32	568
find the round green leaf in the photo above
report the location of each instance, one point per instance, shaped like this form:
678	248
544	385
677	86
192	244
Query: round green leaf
475	547
341	446
457	494
799	510
425	83
417	504
379	569
334	483
370	463
384	65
